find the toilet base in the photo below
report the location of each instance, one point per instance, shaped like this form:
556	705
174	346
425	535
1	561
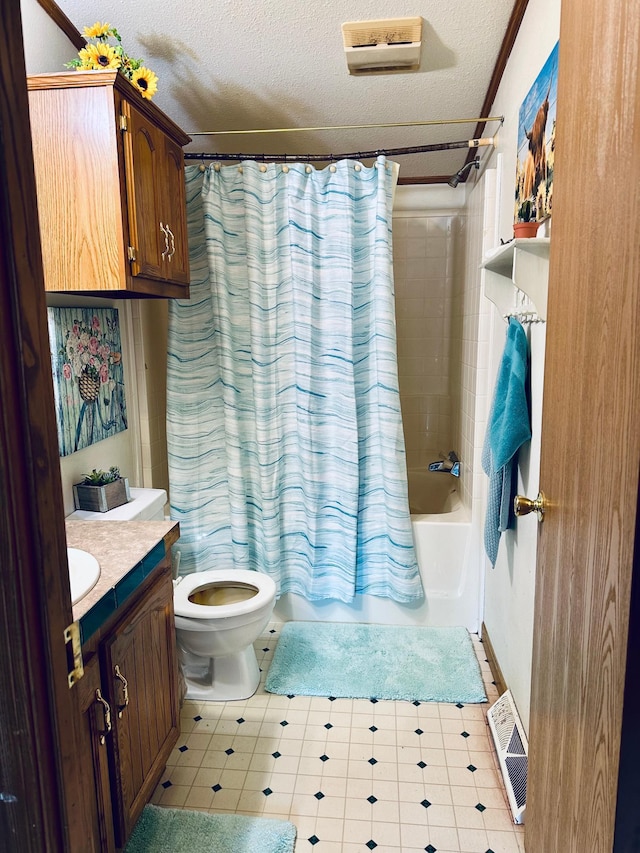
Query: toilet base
224	679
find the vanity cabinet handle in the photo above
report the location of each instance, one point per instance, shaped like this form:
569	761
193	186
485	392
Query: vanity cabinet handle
106	710
165	231
125	689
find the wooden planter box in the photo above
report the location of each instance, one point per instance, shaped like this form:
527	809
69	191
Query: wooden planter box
101	498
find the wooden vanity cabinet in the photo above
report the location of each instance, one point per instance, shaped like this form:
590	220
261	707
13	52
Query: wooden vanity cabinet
96	810
109	173
133	725
139	661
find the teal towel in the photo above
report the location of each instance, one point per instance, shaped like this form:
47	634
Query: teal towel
508	428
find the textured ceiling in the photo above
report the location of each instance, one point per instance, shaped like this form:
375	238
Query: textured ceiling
240	64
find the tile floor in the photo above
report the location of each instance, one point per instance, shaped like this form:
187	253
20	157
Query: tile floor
351	774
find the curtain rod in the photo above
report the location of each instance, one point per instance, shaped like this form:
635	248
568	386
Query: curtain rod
348	126
355	155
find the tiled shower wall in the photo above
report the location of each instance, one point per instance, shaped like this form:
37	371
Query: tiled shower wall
424	248
470	337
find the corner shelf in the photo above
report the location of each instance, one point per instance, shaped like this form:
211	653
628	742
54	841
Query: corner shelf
522	264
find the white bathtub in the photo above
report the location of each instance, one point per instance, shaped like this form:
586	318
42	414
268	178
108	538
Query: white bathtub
442	536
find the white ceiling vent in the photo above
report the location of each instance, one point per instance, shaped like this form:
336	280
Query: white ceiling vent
378	47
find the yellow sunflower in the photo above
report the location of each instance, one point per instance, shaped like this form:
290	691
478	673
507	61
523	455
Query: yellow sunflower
146	81
97	31
99	56
85	63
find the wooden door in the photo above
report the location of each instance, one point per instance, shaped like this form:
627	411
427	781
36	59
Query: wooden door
590	435
143	154
39	718
142	652
175	207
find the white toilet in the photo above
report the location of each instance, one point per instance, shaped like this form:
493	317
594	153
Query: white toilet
218	615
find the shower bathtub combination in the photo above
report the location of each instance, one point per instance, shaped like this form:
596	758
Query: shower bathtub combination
441	528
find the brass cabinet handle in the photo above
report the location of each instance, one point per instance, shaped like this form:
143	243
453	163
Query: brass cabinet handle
165	230
523	506
106	710
173	244
125	689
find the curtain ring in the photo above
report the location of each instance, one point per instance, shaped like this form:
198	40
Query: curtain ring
216	166
240	169
332	168
285	169
357	167
263	168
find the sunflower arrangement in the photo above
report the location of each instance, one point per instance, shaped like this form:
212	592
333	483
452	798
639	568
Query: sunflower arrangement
100	54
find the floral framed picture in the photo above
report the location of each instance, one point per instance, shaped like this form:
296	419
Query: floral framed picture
536	145
88	375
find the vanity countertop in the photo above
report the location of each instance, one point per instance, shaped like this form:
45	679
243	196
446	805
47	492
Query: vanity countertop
126	551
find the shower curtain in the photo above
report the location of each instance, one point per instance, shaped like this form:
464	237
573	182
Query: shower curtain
286	451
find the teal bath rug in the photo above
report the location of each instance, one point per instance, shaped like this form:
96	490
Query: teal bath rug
375	662
161	830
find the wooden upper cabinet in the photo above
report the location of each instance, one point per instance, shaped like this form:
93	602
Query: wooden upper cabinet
142	154
110	180
174	206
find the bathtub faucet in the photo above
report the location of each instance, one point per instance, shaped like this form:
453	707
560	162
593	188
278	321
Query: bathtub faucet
450	464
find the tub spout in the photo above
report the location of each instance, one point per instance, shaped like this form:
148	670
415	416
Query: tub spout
450	465
455	463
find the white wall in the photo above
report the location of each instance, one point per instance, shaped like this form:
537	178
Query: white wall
471	342
46	48
510	586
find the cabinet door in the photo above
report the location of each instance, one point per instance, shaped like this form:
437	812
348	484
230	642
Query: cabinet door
143	156
91	760
140	665
175	212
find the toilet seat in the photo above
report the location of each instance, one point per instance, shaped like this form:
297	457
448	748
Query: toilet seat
189	584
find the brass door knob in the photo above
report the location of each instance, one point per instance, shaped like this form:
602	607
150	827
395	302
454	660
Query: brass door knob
523	506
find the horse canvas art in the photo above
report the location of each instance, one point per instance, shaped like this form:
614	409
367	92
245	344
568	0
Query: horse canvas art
536	142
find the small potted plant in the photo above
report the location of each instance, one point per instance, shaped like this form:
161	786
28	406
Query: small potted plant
526	224
101	491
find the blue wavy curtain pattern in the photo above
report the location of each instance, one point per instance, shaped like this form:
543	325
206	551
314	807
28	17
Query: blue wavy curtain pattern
286	452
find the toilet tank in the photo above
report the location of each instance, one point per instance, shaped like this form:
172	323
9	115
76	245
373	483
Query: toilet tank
145	505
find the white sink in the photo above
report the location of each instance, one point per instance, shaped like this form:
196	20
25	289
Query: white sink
84	571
